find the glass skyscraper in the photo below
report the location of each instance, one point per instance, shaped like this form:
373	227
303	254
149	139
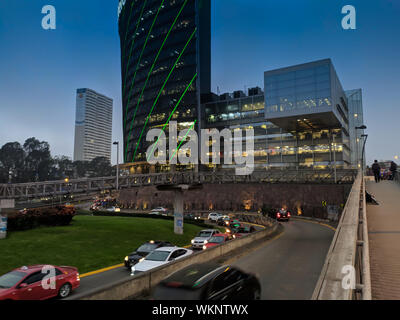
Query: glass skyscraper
166	62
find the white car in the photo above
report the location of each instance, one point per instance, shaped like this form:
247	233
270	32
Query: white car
203	237
213	216
160	209
160	257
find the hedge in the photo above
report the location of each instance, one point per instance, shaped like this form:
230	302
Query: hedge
33	218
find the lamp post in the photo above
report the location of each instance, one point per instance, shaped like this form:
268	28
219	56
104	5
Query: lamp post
117	144
363	151
334	155
363	127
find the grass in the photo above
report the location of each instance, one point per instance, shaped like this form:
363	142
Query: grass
89	243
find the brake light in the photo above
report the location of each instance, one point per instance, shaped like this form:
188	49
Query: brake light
288	214
278	215
174	284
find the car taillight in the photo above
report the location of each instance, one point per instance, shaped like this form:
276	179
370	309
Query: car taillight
278	215
288	214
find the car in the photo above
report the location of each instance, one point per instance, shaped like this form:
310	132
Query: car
157	213
213	216
233	223
283	215
141	252
217	239
203	237
208	281
34	282
192	216
221	220
160	257
159	209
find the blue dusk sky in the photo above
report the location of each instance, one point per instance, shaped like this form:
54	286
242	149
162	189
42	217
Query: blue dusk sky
40	70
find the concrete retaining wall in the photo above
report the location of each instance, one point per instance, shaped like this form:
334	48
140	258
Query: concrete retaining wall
145	282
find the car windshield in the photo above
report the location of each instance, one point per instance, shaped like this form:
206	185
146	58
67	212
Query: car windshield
11	279
204	234
218	239
148	247
158	256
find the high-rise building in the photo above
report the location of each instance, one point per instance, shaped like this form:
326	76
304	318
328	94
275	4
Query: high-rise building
93	125
166	68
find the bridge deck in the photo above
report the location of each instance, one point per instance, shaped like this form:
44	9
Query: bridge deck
384	239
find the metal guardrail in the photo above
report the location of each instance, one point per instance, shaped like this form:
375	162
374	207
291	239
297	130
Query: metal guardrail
346	272
54	188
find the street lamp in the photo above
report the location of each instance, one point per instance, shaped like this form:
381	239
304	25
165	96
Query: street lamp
363	150
363	127
116	143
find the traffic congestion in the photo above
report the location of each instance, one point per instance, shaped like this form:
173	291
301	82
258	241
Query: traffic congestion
41	282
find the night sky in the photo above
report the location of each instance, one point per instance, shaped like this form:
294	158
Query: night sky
40	70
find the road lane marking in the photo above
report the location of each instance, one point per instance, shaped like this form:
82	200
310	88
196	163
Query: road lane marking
316	222
101	270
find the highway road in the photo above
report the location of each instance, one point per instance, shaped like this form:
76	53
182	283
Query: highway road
288	267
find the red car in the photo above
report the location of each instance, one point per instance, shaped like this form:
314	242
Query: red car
217	239
39	282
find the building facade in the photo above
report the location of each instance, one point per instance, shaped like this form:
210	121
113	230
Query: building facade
93	125
356	119
300	121
166	68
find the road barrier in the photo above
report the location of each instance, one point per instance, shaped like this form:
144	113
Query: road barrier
346	272
145	282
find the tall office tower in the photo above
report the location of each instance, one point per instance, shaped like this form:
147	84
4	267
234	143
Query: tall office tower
93	125
356	119
166	69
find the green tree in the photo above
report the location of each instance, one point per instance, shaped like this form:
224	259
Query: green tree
38	161
12	158
100	167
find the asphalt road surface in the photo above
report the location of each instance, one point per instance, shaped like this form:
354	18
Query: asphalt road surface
288	267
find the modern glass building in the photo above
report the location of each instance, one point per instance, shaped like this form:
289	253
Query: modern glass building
166	68
301	120
356	119
93	125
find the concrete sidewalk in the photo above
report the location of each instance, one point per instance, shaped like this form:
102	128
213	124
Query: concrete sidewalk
384	239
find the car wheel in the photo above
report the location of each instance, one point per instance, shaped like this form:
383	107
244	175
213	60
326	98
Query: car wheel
65	290
257	295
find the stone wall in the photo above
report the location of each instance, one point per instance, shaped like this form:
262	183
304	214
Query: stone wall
307	199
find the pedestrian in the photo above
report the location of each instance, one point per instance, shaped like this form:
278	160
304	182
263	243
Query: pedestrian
393	170
376	169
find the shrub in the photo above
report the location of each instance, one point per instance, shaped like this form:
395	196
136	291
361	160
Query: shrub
33	218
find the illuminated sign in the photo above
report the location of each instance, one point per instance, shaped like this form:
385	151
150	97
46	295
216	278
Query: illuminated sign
121	5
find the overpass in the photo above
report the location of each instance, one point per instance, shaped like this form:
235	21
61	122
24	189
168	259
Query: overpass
33	190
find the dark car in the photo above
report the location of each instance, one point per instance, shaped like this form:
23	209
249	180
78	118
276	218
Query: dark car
143	251
283	215
208	282
221	221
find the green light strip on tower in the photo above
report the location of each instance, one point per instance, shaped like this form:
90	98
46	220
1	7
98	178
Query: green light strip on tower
154	63
159	93
133	42
170	116
141	53
183	140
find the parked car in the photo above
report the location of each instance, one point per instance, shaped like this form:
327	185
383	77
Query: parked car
217	239
213	216
160	209
283	215
29	283
222	219
160	257
203	237
208	282
141	252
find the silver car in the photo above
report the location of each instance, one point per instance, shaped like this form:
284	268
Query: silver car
203	237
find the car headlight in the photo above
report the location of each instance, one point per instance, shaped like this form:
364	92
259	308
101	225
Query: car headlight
192	241
204	247
133	271
126	258
205	242
141	260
